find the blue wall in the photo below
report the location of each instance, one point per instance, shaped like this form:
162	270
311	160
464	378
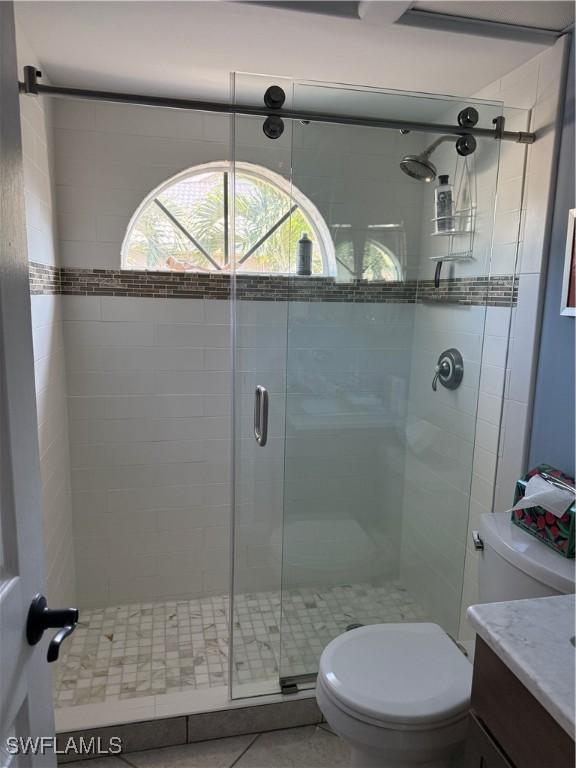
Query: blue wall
552	438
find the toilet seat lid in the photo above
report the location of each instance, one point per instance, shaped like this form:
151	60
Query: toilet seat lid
399	673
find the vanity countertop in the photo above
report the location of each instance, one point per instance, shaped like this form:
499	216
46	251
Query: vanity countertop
533	638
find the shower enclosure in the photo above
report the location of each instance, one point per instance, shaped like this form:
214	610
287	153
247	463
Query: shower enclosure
354	439
352	473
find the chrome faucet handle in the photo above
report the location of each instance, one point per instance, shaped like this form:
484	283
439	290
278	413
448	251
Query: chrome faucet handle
449	370
442	369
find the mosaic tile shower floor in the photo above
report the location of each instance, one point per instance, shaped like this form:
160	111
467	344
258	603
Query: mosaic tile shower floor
146	649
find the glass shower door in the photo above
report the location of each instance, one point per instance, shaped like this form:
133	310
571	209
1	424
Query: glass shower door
262	209
378	463
355	510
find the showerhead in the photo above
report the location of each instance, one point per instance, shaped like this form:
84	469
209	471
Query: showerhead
419	167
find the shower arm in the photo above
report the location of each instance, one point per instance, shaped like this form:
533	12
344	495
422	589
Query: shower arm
435	144
32	87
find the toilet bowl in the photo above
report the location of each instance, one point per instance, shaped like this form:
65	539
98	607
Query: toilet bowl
398	694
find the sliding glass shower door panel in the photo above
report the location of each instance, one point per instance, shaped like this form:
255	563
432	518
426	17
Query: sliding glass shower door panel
356	376
378	464
263	210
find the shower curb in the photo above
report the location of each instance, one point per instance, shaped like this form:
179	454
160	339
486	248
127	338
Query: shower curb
202	726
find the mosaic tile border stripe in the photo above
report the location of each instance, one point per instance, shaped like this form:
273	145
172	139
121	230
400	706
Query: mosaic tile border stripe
44	278
497	291
72	281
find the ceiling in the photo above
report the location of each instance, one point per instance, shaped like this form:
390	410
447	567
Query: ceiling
188	49
343	8
539	14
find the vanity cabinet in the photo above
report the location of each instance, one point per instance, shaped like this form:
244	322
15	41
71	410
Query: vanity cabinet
481	749
508	727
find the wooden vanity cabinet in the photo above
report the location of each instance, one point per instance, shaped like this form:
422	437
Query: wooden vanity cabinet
509	728
481	749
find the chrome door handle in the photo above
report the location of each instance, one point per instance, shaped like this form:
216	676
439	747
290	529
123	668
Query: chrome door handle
261	415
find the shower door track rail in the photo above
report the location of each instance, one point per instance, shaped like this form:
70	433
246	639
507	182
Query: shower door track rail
297	683
32	87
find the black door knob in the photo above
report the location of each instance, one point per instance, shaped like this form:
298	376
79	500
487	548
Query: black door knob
40	618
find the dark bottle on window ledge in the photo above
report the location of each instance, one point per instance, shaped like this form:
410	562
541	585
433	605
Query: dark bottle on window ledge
304	262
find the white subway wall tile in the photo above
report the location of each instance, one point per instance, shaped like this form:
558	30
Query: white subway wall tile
149	380
48	347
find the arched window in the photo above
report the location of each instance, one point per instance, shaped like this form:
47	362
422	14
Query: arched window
378	263
183	225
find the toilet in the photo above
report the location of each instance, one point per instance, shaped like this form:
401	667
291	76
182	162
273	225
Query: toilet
399	694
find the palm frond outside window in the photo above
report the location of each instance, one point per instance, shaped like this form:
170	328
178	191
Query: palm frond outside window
185	224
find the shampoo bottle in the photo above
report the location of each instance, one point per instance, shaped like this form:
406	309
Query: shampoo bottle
304	263
444	198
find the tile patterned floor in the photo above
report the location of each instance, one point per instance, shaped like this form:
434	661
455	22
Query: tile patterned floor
146	649
307	747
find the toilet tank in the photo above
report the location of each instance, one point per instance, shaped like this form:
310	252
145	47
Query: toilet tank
515	565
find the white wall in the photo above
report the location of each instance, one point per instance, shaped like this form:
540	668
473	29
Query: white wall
149	383
331	495
442	427
508	374
436	536
439	453
108	159
460	447
150	429
348	371
48	347
497	171
134	363
148	379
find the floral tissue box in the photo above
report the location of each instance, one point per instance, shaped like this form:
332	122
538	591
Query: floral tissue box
556	532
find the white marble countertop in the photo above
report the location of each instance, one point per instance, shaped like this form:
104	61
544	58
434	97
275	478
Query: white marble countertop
532	637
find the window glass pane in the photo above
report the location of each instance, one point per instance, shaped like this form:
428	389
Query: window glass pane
379	263
258	207
345	255
198	204
183	227
278	253
156	243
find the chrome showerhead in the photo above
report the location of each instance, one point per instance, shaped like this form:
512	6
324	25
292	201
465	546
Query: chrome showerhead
421	168
418	167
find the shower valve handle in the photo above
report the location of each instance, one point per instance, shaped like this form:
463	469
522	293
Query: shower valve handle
449	370
442	369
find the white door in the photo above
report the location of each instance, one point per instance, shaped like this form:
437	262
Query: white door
25	684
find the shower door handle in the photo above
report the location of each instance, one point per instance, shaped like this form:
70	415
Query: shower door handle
261	415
